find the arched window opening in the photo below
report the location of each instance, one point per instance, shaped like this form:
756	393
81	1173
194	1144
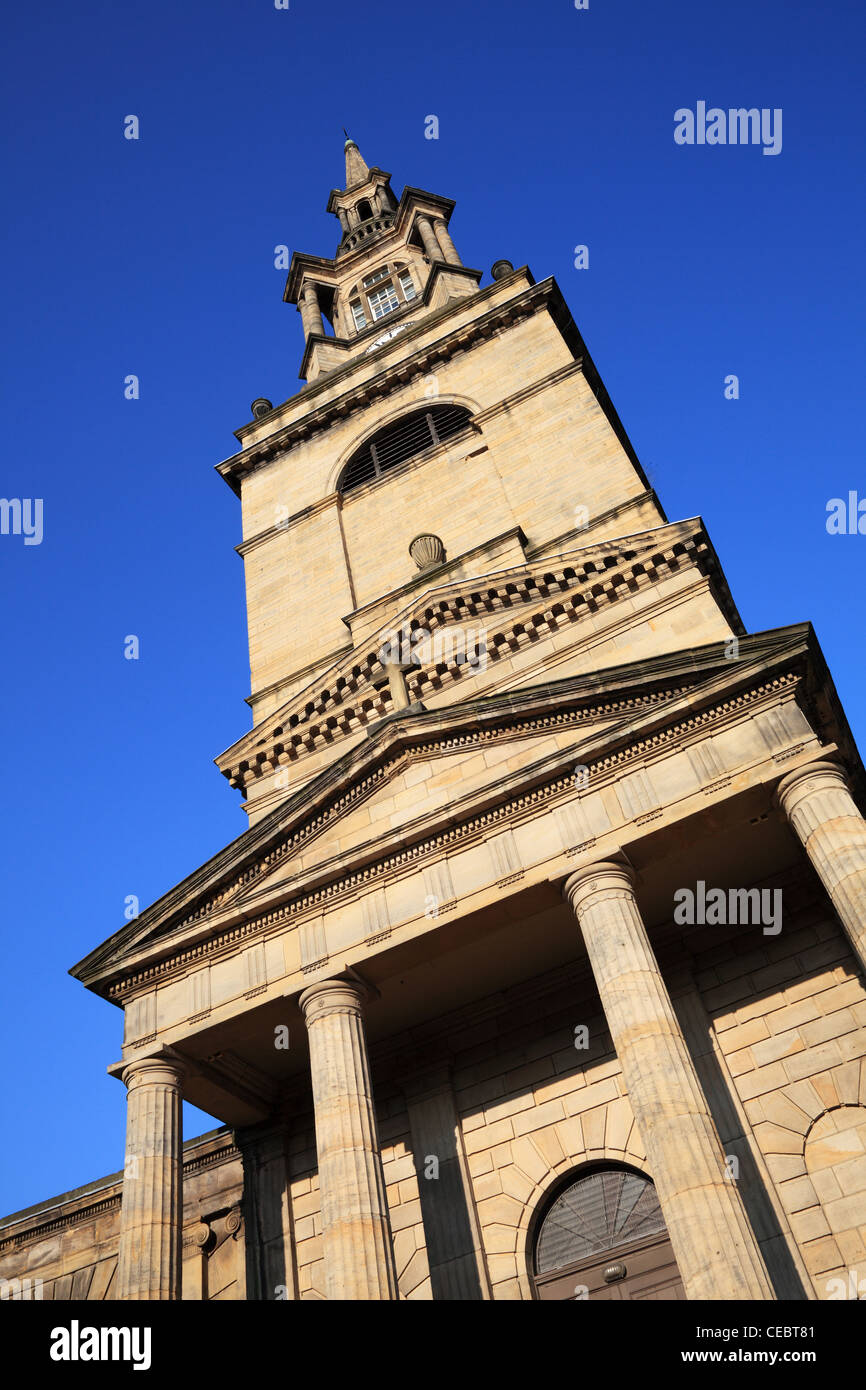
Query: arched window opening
401	440
604	1236
365	212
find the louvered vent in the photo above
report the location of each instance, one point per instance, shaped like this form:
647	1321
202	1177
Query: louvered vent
595	1214
402	440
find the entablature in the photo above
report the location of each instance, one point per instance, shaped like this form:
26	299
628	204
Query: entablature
619	738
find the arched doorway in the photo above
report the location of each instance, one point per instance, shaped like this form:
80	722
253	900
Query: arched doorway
603	1236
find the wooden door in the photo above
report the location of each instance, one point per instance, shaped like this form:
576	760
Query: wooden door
604	1237
650	1272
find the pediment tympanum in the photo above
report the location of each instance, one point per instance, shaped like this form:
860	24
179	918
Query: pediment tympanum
471	638
594	752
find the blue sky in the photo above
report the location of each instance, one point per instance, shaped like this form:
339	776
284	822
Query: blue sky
156	257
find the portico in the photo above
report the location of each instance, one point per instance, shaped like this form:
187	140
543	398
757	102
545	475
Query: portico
540	897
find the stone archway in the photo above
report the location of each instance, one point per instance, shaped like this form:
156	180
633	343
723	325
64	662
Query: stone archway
604	1238
835	1158
813	1136
541	1160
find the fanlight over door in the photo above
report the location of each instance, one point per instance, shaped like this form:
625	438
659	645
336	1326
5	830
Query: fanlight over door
604	1237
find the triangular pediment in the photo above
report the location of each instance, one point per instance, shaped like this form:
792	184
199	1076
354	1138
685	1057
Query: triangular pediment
462	758
521	609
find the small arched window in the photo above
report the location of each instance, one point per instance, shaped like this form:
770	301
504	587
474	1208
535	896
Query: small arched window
401	440
365	212
605	1230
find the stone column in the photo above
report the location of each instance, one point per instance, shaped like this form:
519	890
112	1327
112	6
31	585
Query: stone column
356	1231
428	236
715	1248
824	814
149	1259
311	314
443	236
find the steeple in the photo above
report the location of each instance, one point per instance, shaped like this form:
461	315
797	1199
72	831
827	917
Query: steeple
357	170
395	263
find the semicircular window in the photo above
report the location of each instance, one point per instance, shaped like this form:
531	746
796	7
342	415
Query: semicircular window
595	1214
401	440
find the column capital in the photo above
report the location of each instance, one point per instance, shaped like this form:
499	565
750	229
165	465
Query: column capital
333	997
812	777
154	1071
606	880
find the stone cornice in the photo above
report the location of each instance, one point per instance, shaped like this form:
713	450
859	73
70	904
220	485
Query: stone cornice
375	177
103	1196
312	896
360	344
428	579
197	899
512	799
328	797
417	364
332	267
354	695
331	500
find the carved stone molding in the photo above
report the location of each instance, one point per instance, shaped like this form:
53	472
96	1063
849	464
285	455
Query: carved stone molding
496	816
580	591
197	1236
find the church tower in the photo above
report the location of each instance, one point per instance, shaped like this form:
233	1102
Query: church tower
538	969
446	433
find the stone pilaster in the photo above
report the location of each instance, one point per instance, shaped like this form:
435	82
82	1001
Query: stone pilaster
716	1251
428	237
455	1251
196	1239
149	1259
823	813
443	236
356	1231
269	1234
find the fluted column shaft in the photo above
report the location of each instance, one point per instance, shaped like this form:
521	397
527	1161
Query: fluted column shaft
428	236
311	314
824	815
716	1250
443	236
356	1231
149	1259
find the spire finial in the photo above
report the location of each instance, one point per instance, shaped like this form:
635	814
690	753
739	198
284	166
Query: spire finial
356	168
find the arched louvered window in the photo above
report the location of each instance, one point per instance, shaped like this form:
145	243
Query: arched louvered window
595	1215
401	440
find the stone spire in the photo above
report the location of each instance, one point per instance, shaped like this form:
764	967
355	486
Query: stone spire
356	169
